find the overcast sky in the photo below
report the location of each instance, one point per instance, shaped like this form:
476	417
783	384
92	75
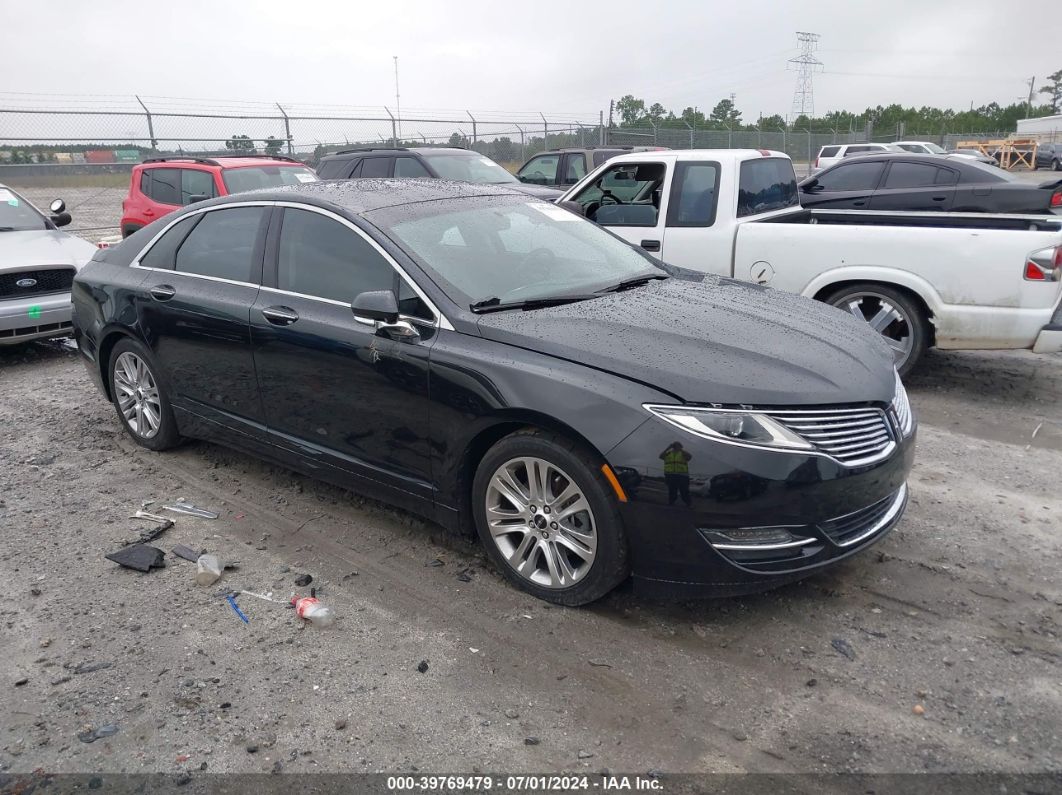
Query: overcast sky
549	56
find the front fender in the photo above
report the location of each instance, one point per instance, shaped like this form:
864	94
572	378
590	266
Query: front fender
876	273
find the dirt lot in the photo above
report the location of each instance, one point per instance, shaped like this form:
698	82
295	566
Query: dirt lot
956	613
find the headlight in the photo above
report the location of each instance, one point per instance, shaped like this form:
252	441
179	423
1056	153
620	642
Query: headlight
902	406
746	428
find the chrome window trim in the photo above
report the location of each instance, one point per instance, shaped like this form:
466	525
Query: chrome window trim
802	542
874	459
439	321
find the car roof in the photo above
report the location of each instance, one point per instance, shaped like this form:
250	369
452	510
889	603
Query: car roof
366	150
720	155
236	161
357	196
920	143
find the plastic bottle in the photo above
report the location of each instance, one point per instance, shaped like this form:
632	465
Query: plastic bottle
310	608
208	570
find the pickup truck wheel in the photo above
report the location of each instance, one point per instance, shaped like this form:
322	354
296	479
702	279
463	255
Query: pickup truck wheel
1056	165
894	315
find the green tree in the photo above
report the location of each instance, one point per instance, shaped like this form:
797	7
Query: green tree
725	114
272	145
239	143
504	150
631	111
456	139
1054	90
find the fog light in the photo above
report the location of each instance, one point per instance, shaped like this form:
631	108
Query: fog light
752	538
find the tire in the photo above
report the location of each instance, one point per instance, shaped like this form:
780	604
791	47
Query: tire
129	230
139	397
907	327
1056	165
529	529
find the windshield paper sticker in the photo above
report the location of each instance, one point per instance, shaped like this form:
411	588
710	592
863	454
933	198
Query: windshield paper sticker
306	178
553	211
9	197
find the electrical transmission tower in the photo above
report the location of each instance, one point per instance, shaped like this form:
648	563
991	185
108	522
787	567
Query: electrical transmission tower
806	65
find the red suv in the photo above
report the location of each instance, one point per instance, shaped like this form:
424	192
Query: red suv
163	184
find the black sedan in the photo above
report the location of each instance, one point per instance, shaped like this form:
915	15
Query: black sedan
927	183
495	362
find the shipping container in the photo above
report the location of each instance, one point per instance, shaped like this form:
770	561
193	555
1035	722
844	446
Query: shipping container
127	155
99	156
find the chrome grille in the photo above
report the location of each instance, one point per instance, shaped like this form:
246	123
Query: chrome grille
853	436
860	525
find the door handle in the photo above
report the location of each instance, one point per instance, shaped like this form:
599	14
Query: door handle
650	245
858	203
280	315
940	198
149	212
162	292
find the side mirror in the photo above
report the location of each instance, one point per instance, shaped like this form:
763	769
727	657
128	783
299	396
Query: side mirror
376	305
197	197
573	207
57	206
807	187
62	219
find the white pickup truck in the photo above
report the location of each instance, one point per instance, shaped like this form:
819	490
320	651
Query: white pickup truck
953	280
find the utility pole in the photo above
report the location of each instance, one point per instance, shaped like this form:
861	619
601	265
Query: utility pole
1028	105
806	65
398	104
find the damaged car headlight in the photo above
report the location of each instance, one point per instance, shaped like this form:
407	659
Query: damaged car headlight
749	428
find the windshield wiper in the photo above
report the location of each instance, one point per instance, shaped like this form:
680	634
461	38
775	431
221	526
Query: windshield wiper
635	281
7	229
495	304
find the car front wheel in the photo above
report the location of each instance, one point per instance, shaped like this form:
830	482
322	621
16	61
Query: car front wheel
139	398
548	518
893	314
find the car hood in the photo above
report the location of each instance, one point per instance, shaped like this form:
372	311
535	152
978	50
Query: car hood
41	248
538	191
713	341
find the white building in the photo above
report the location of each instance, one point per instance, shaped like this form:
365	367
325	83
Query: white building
1045	127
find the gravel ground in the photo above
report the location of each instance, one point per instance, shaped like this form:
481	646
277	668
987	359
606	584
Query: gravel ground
939	650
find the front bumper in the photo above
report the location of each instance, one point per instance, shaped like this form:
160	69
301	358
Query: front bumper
676	526
35	317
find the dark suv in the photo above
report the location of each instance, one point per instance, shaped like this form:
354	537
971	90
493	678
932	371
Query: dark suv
560	168
441	163
1049	156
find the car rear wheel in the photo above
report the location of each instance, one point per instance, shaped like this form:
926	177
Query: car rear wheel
1056	165
548	518
894	315
139	398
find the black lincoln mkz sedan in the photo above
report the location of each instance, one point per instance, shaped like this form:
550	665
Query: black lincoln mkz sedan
492	361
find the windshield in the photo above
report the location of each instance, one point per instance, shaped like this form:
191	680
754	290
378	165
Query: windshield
238	180
937	150
510	249
17	215
471	167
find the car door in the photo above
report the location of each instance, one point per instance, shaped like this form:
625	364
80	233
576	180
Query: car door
338	394
203	276
691	238
574	168
631	200
847	186
916	186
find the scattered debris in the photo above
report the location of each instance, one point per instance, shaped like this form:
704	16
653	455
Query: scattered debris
303	580
422	666
811	682
918	709
512	714
341	723
231	599
185	507
208	570
435	563
585	755
465	575
141	514
22	681
183	757
139	556
841	646
91	735
188	553
87	668
151	533
311	609
35	591
599	664
348	576
740	736
531	741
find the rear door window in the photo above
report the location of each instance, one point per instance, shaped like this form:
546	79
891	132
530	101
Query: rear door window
829	151
852	176
166	185
574	168
911	175
693	194
375	167
766	184
222	245
163	252
320	257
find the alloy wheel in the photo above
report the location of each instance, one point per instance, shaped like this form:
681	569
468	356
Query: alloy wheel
886	318
541	522
138	395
